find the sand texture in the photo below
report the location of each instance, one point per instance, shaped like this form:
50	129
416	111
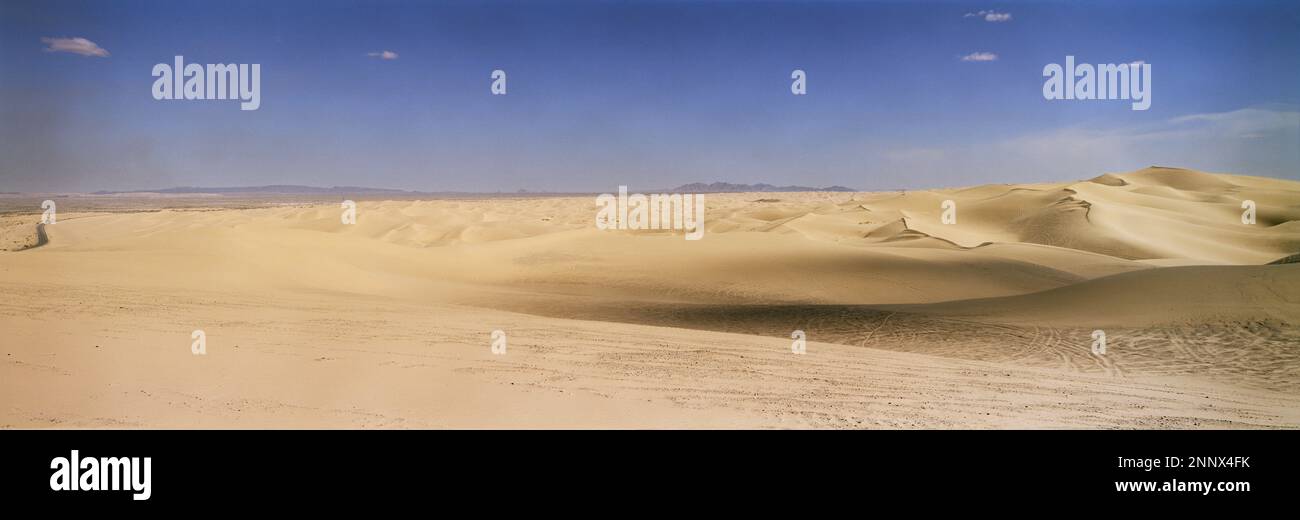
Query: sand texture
910	322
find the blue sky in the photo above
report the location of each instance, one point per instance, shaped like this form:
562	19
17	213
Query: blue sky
646	94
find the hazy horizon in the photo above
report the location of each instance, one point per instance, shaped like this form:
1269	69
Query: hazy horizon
377	189
283	188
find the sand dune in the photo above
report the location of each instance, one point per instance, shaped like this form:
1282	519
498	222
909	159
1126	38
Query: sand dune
1171	296
19	232
915	323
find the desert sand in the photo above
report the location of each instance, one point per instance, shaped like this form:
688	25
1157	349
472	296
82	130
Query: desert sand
911	323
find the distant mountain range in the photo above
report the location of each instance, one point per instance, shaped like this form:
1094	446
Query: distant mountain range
293	189
276	188
727	187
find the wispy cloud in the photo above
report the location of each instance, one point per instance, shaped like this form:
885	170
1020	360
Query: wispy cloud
1247	123
990	16
383	55
980	56
1251	141
80	46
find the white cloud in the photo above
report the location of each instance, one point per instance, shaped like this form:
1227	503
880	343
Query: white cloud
989	16
383	55
80	46
980	56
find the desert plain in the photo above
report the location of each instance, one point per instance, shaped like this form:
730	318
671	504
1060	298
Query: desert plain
986	322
